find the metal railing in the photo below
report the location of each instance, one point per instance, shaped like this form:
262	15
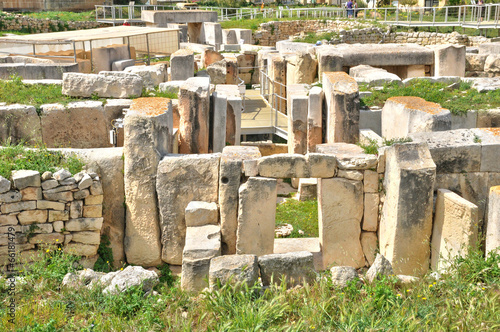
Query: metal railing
274	93
470	16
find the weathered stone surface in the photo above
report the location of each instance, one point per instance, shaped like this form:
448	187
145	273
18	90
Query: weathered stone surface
404	115
297	106
256	216
85	182
321	165
493	227
371	76
342	275
475	62
58	215
340	209
294	268
84	224
63	196
58	226
151	76
86	237
315	118
370	217
37	228
349	156
76	209
219	120
94	200
201	214
490	148
234	109
181	65
31	193
147	140
301	69
130	276
6	220
369	244
92	211
181	180
105	84
308	189
370	181
51	238
488	118
218	72
233	269
406	223
25	178
49	184
342	103
350	174
81	278
202	244
60	189
449	60
329	60
79	124
19	206
210	56
11	197
81	194
284	166
492	64
32	217
4	185
194	107
380	267
230	175
81	249
19	123
455	229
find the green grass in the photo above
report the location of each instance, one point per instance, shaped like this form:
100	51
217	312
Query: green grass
458	101
465	299
301	215
64	16
17	157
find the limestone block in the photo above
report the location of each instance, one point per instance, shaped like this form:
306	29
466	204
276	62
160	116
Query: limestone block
342	104
490	148
4	185
92	211
493	227
340	209
84	224
11	197
51	238
342	275
277	73
233	112
201	214
229	37
81	249
24	178
350	174
50	184
349	156
284	166
19	123
308	189
230	176
104	84
58	226
58	215
455	229
243	36
6	220
63	196
297	123
32	217
314	118
370	217
492	64
475	62
151	76
202	244
449	60
147	140
371	76
120	281
211	33
180	180
321	165
37	228
370	182
181	65
86	237
81	194
76	209
85	182
194	108
210	56
301	69
380	267
94	200
219	115
96	190
103	57
329	60
256	216
369	243
465	121
77	125
233	269
16	207
488	118
31	193
406	223
293	268
49	205
404	115
120	65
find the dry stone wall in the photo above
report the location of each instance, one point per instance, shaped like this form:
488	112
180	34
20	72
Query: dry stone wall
37	211
18	22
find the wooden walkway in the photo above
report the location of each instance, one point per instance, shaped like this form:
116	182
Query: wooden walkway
259	118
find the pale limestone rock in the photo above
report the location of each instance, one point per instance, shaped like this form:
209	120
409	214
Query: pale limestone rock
85	182
297	121
370	181
81	194
233	269
6	220
370	216
31	193
86	237
20	124
341	275
321	165
81	249
32	217
120	281
49	184
151	75
493	227
284	166
403	279
16	207
369	244
11	197
105	84
406	223
492	63
61	174
340	209
51	238
218	72
202	244
201	214
58	226
92	211
349	156
301	69
58	215
180	180
380	267
25	178
38	228
4	185
350	174
76	209
84	224
63	196
256	216
94	200
293	268
181	65
371	76
314	118
308	189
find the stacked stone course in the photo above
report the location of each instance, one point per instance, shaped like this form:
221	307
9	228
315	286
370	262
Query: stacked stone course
19	22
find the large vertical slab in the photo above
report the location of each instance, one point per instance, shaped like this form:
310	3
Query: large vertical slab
181	65
219	115
194	107
230	176
493	227
455	228
233	112
340	209
406	224
182	179
315	118
297	122
342	102
147	140
256	216
277	73
449	60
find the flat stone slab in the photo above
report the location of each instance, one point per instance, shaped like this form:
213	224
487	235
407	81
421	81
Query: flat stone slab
349	156
294	268
161	18
310	244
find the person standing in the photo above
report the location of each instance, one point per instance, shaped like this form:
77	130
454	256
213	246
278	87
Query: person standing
355	7
349	9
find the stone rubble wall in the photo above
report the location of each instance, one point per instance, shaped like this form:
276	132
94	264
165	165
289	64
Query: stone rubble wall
50	210
353	32
19	22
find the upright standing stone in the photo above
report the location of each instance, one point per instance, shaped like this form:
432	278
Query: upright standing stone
493	227
233	112
329	60
455	228
449	60
297	123
219	115
342	102
181	65
277	73
301	69
194	107
182	179
406	224
314	119
340	209
146	142
231	167
256	217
